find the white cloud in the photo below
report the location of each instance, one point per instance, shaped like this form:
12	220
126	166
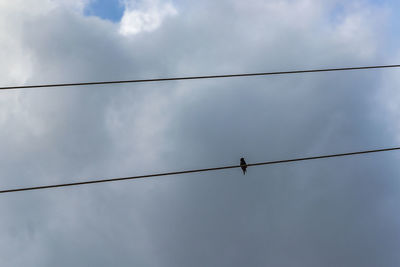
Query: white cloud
146	15
43	6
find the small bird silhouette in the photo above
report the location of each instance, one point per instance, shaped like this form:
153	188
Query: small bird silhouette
243	165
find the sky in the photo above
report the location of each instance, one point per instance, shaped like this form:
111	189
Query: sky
105	9
336	212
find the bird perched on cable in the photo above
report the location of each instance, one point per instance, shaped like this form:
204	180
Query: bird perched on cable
243	165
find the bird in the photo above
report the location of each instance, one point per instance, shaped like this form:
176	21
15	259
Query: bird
243	165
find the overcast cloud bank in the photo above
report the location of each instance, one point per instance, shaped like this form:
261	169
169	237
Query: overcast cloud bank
339	212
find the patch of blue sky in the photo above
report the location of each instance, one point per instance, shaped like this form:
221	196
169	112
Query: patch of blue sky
336	13
106	9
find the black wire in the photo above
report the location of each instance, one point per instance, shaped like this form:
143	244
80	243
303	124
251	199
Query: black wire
197	77
198	170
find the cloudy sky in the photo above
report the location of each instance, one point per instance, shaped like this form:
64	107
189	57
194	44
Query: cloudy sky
336	212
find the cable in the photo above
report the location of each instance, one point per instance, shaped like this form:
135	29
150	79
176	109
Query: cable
196	77
198	170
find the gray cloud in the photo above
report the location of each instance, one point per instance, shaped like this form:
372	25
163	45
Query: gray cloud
333	212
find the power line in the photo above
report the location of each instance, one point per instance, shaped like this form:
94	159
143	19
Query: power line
196	77
198	170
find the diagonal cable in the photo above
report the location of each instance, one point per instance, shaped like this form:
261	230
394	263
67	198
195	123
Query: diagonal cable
198	170
196	77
